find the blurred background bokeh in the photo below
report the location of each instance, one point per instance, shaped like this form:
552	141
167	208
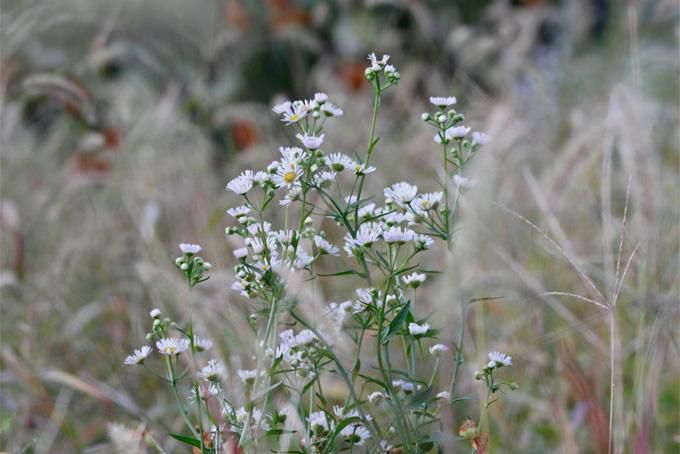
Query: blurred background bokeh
122	121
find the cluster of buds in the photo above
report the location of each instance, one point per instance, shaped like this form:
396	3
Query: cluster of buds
450	129
193	266
372	73
160	326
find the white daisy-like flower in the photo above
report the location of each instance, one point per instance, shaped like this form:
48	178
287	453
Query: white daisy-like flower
444	395
320	98
247	376
238	212
443	101
302	259
416	329
188	248
438	349
155	313
426	202
500	358
414	280
241	184
319	422
291	196
401	193
322	178
202	345
375	63
283	107
395	234
366	211
330	110
261	177
310	141
172	345
376	397
337	312
367	234
287	177
339	162
241	252
406	386
204	391
389	69
138	356
356	434
423	242
325	247
295	112
479	138
462	181
458	132
362	169
214	371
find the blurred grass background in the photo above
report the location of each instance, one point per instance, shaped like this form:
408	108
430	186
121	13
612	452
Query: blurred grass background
122	121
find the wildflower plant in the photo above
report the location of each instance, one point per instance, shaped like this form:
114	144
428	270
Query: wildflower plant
390	404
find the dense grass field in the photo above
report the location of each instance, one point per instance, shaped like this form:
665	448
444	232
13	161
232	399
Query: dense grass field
122	122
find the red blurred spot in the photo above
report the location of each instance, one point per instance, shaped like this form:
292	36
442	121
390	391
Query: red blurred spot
244	134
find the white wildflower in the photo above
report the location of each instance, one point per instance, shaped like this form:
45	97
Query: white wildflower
310	141
214	371
443	101
401	193
187	248
501	359
202	345
138	356
172	345
438	349
416	329
414	280
324	246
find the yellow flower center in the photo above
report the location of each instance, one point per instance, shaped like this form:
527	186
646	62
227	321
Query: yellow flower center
289	177
294	117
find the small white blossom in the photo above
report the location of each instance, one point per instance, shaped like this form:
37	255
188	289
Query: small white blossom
376	64
155	313
501	359
437	349
202	345
362	169
324	246
414	280
241	184
241	252
310	141
214	371
416	329
247	376
187	248
283	107
331	110
462	181
479	138
172	345
444	395
443	101
138	356
401	193
238	212
376	397
339	162
318	422
426	202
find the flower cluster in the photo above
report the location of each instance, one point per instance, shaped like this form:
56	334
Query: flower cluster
306	216
193	266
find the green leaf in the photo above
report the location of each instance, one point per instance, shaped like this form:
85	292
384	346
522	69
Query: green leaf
344	273
396	323
186	440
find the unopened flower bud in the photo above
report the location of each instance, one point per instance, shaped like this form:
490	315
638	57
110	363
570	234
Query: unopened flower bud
155	313
425	116
184	267
514	386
